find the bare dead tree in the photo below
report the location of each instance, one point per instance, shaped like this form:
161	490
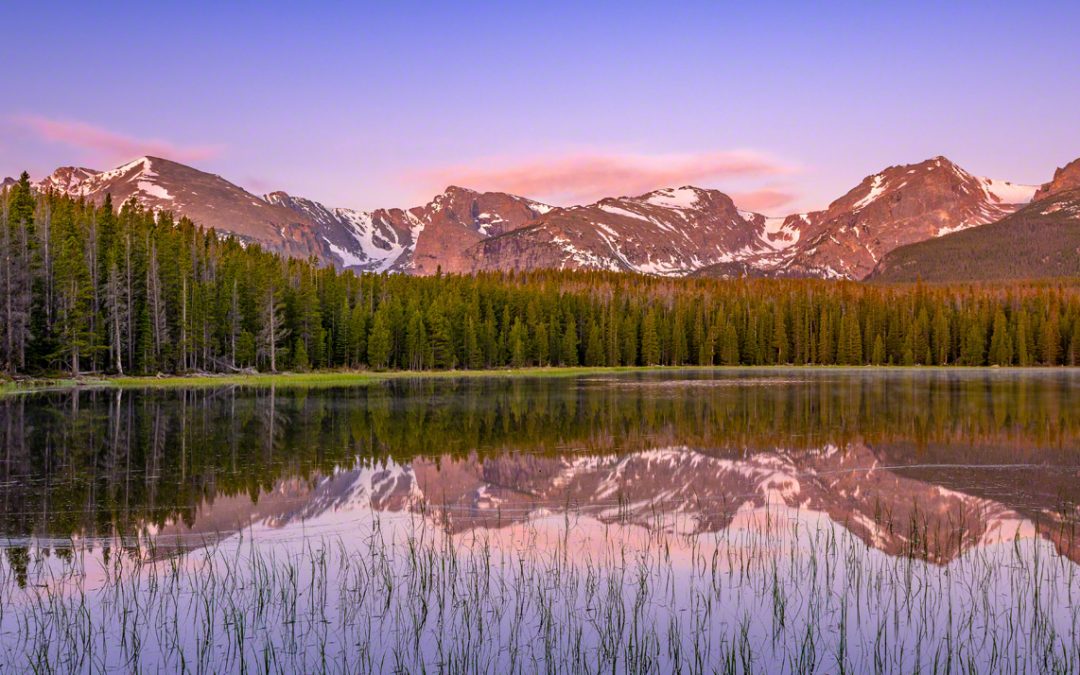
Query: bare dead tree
115	304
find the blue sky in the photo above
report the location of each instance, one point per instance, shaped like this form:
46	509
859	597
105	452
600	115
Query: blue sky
382	104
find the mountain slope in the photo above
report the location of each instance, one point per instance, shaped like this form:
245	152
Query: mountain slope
668	232
898	206
210	200
1040	240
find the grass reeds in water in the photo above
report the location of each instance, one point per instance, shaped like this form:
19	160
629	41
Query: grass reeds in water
777	591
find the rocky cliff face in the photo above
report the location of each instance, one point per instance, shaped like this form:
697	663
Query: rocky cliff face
1065	178
457	220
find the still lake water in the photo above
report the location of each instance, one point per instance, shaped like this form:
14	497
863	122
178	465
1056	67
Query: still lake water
692	521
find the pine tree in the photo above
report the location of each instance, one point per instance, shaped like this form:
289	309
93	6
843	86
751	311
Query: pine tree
542	344
416	342
1023	350
1072	357
15	289
300	356
850	340
474	356
380	341
569	349
940	338
1001	348
518	341
974	351
780	345
679	349
921	337
358	337
707	348
234	322
650	340
308	317
826	343
729	345
877	354
1049	339
629	334
74	292
442	339
594	347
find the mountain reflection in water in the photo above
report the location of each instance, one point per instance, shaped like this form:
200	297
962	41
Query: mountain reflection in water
914	463
780	521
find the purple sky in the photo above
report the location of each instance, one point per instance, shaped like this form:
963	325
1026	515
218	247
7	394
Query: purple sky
784	106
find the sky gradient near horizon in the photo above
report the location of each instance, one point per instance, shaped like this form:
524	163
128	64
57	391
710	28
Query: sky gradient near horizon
783	105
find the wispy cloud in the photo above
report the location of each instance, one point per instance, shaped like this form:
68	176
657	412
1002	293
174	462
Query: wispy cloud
99	145
586	177
764	200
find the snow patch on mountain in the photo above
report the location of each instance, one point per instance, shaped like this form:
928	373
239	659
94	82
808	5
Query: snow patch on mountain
154	190
674	198
380	247
619	211
1005	192
779	234
877	187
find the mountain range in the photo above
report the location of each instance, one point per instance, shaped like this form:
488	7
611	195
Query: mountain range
932	220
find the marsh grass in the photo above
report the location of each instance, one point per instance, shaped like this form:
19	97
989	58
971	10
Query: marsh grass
343	378
777	591
319	379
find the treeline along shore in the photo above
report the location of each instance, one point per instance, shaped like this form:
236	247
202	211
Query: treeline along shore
91	288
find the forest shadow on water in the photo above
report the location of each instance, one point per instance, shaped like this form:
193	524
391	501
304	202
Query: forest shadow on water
733	521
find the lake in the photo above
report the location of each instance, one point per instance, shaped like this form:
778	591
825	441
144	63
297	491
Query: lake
804	520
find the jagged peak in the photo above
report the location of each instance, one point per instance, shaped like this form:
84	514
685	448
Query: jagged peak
1065	178
66	178
74	169
454	190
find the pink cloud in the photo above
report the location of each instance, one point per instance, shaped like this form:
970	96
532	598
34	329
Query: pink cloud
102	145
586	177
763	200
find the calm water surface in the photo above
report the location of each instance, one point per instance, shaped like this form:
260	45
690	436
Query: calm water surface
699	521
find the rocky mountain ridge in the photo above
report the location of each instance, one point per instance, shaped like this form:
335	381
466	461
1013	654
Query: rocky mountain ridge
670	232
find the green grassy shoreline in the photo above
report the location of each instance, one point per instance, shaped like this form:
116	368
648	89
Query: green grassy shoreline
315	379
364	377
